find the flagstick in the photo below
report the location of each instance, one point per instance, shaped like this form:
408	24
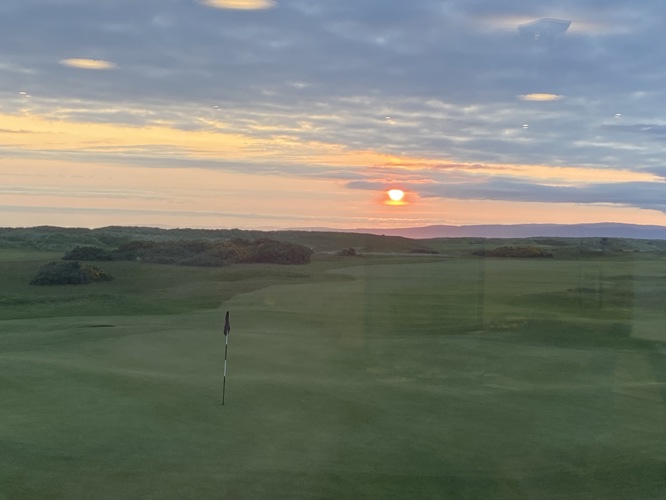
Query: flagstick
224	379
227	330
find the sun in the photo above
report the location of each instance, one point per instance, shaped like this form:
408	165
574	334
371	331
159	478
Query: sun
396	194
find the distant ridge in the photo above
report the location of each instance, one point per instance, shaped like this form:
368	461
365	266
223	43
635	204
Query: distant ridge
601	230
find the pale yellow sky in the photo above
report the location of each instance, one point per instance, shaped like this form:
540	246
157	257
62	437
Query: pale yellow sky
63	179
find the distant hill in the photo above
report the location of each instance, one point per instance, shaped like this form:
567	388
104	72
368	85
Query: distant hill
60	239
443	240
599	230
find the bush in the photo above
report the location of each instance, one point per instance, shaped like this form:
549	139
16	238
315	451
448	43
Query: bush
213	257
520	252
87	253
347	252
69	273
214	253
275	252
133	250
427	251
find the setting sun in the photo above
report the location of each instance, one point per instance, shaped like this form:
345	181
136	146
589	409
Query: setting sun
396	194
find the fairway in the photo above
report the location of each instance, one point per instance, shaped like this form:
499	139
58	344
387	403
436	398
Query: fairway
376	377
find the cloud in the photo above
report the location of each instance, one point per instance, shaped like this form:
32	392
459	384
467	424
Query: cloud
78	192
140	212
239	4
646	195
422	91
540	97
648	129
96	64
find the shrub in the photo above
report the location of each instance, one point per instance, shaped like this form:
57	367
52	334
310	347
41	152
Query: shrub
347	252
427	251
95	273
69	273
213	257
87	253
133	250
214	253
275	252
520	252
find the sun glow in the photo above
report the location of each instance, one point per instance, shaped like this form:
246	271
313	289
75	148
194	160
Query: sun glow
396	194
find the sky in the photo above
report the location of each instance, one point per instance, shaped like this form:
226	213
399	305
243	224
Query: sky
304	113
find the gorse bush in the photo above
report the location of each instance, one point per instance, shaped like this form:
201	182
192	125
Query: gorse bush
214	253
69	273
347	252
519	252
427	251
275	252
87	253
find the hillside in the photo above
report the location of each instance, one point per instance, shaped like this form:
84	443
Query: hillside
58	239
61	239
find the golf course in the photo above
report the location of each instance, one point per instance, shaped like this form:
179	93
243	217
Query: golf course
450	375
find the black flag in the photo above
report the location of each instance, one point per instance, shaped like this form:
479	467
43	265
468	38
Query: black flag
227	326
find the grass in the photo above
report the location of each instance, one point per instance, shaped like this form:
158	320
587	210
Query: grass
138	288
350	378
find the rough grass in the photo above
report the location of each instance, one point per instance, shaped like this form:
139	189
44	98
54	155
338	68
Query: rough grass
396	378
138	288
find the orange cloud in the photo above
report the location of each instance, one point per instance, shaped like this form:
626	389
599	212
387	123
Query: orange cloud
39	133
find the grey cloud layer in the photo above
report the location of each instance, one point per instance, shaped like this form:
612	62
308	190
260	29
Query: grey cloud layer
633	194
422	48
424	78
